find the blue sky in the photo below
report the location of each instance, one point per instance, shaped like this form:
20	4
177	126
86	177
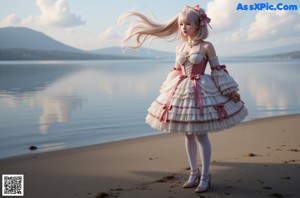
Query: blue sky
93	24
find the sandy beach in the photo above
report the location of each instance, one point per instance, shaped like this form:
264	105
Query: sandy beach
259	158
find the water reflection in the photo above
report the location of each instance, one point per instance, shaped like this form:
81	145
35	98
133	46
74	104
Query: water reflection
9	100
56	109
266	87
90	102
60	94
272	87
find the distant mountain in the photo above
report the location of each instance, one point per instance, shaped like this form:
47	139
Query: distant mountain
21	43
33	54
274	51
287	55
141	53
21	37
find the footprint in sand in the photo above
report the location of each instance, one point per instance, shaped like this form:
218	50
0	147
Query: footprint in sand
267	188
293	150
251	155
165	179
260	181
289	161
276	195
285	177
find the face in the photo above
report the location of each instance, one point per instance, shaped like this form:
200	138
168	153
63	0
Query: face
187	29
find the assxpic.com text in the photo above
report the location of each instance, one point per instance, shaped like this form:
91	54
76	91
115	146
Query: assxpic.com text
266	6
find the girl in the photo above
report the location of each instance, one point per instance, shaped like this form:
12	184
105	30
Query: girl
190	102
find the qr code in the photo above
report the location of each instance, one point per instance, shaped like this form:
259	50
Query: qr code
13	185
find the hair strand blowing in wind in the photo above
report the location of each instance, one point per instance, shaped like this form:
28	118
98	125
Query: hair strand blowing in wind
143	28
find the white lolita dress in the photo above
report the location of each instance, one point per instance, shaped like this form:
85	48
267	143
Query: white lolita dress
193	102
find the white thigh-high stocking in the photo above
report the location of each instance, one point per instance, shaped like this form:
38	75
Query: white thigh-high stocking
191	150
205	153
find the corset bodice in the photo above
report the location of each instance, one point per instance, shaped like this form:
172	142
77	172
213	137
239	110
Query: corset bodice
194	63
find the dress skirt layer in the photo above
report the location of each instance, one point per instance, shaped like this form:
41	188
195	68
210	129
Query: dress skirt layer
196	104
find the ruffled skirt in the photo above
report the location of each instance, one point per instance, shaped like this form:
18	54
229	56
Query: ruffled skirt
184	116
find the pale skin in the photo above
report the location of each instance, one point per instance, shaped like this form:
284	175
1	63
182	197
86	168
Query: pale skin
189	30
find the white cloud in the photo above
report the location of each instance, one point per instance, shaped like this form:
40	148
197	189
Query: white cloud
109	34
71	30
57	13
10	20
53	13
270	25
224	15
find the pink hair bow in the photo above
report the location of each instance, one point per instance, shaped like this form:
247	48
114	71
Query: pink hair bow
196	8
203	17
204	20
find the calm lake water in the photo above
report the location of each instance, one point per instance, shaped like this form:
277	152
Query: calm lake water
63	104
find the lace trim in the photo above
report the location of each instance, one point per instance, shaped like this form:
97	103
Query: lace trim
197	121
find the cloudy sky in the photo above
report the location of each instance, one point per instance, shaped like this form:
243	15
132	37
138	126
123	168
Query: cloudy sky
94	24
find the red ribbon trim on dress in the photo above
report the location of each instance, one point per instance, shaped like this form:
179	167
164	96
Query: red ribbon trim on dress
197	96
201	121
176	69
219	67
167	106
222	114
197	92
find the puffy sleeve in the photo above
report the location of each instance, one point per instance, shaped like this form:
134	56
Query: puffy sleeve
223	80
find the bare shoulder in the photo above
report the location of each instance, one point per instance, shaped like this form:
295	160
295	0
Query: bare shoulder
209	49
208	45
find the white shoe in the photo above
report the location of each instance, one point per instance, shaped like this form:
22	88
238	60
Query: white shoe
204	185
193	179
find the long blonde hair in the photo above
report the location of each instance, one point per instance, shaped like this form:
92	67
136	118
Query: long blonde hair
144	28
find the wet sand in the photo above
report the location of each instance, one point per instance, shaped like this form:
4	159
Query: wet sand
260	158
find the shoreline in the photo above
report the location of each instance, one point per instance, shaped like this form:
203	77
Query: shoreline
158	133
257	158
